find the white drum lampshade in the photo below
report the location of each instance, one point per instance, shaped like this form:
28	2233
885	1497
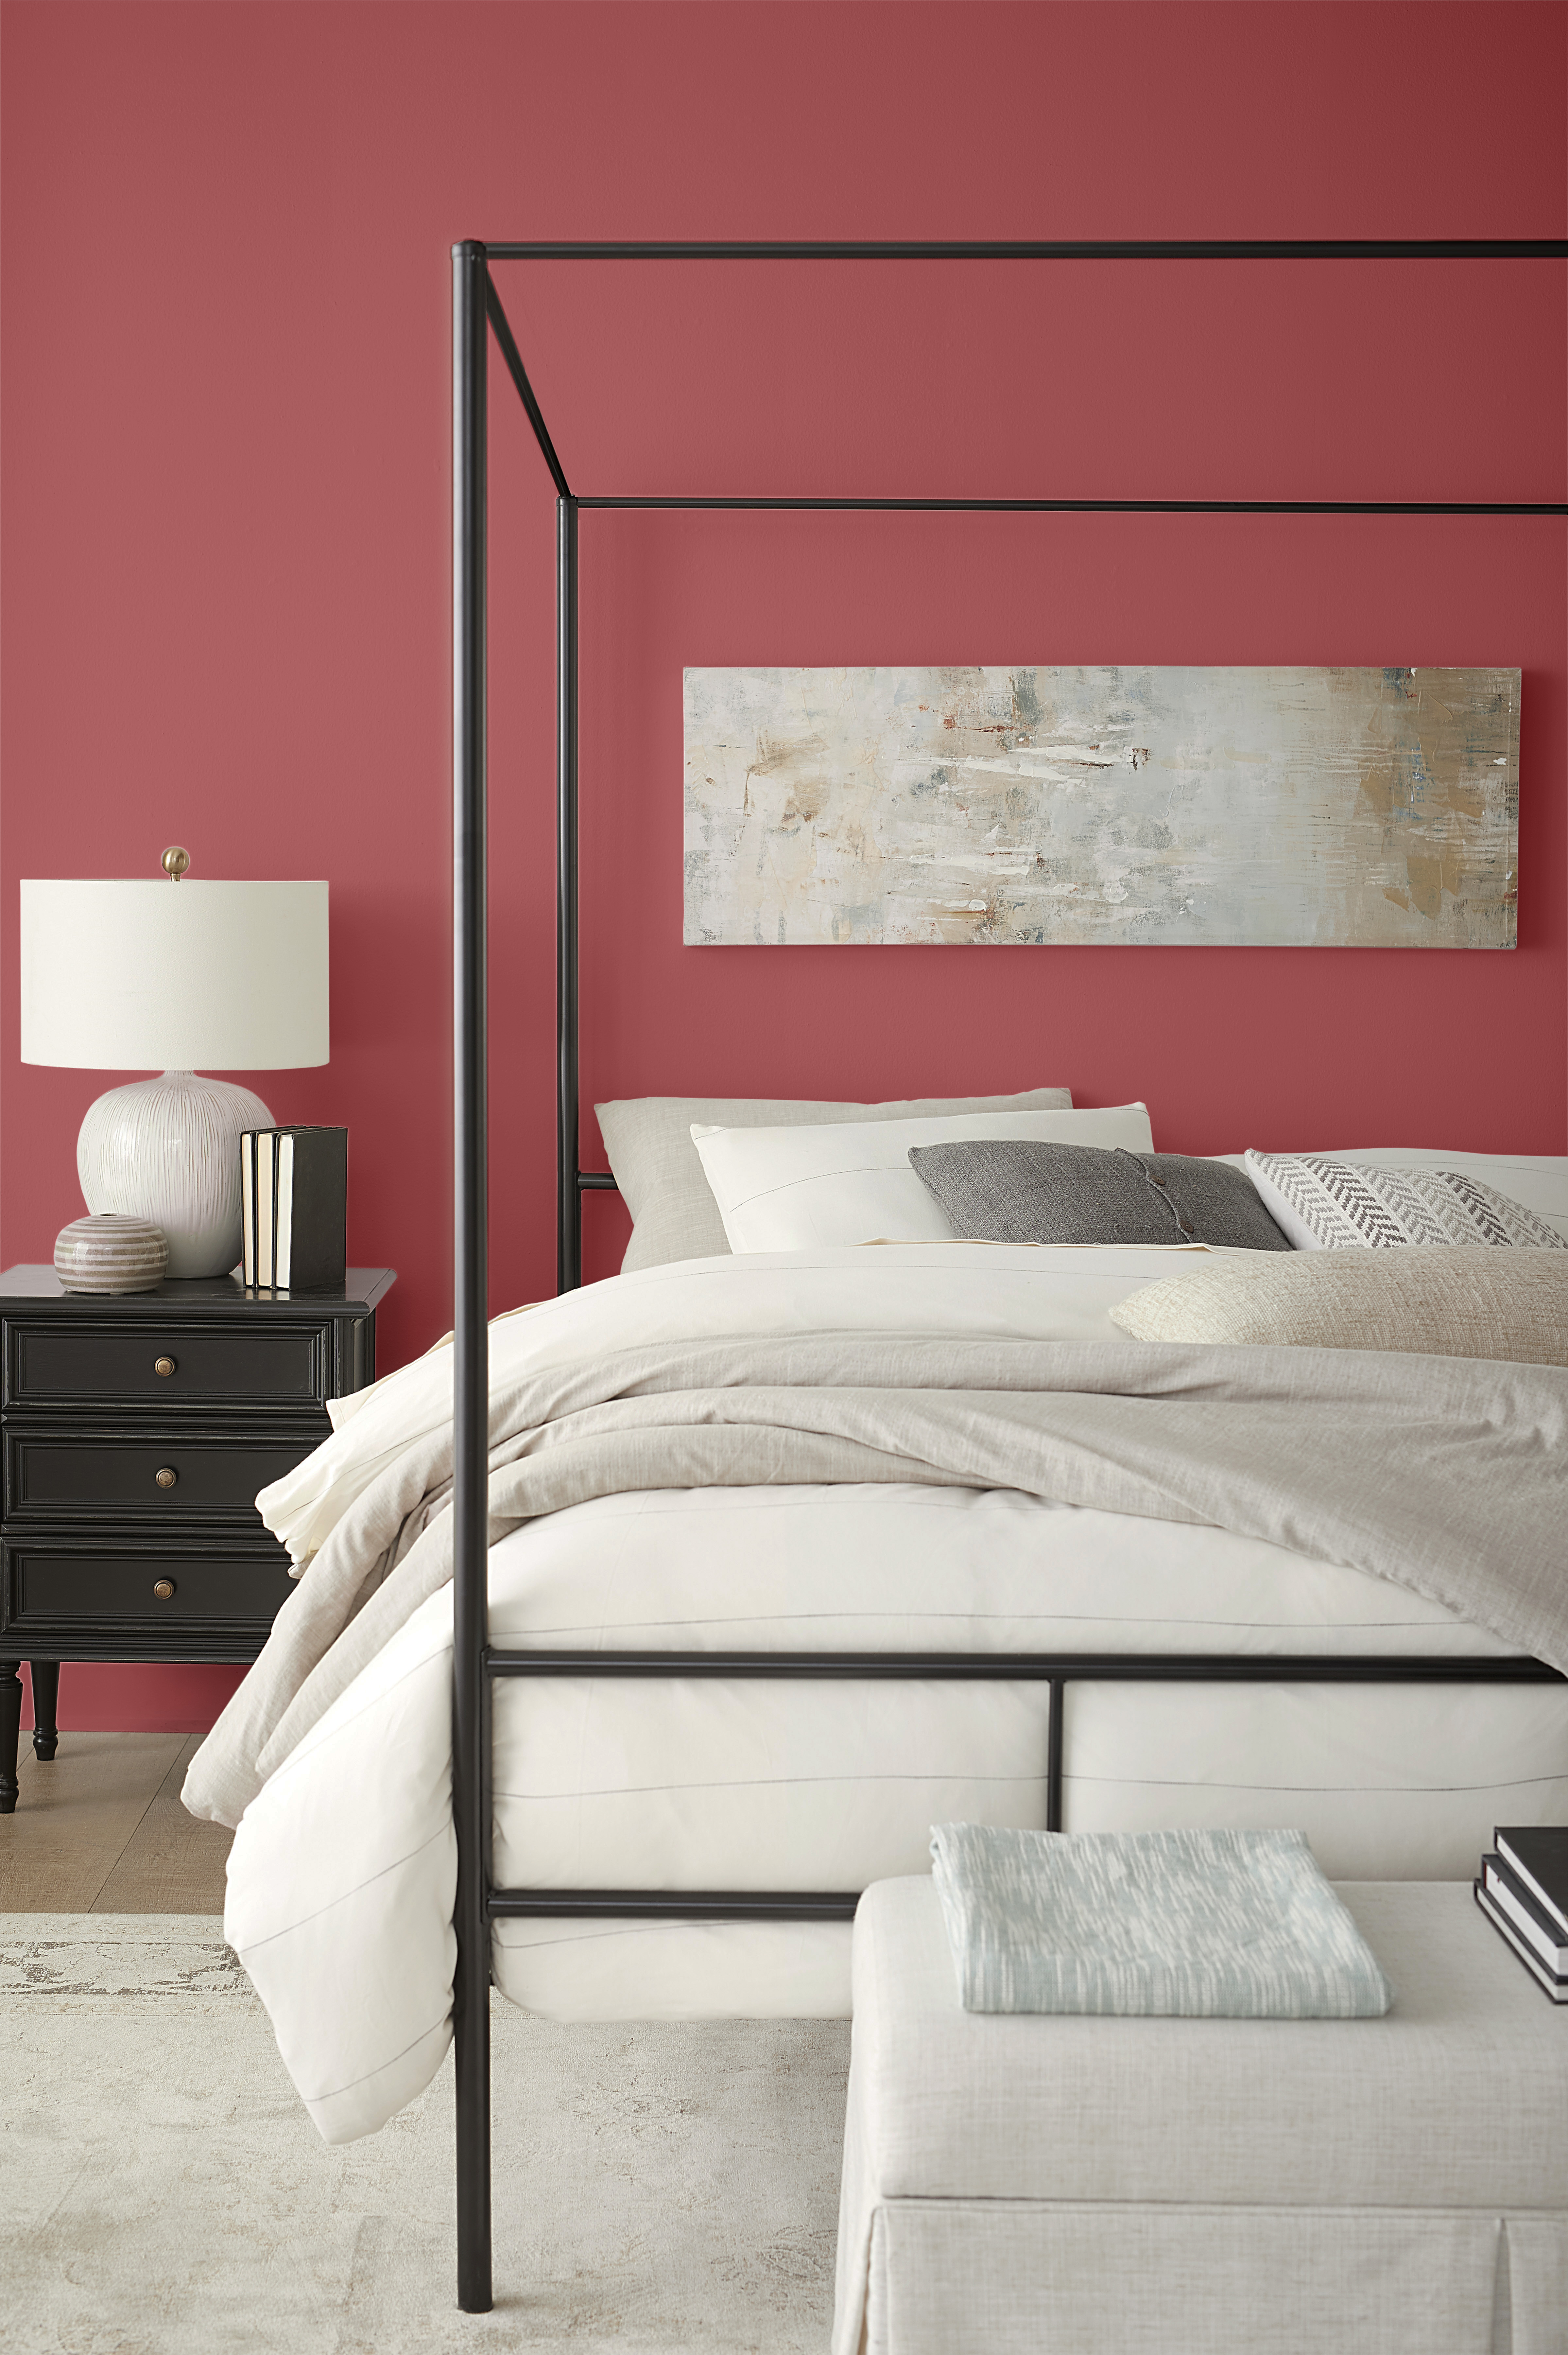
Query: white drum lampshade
167	977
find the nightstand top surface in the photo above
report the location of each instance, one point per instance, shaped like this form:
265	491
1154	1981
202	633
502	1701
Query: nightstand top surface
363	1289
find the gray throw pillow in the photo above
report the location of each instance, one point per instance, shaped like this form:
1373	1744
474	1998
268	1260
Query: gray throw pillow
1023	1190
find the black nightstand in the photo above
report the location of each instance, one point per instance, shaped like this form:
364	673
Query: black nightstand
137	1432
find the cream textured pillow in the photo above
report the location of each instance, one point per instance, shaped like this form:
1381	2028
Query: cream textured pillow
1440	1300
656	1165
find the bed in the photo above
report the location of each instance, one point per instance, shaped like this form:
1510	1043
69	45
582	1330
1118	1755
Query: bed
727	1689
1175	1670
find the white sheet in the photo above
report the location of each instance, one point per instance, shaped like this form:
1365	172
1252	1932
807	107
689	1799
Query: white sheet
342	1873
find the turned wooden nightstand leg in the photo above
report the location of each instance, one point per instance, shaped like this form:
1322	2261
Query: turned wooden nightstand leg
10	1732
45	1709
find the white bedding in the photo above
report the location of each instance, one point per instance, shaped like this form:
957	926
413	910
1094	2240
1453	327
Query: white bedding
342	1872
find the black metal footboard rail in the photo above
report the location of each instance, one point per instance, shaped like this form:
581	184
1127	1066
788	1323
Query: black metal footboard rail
1055	1669
476	311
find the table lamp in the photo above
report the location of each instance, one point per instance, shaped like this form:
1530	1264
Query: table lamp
167	975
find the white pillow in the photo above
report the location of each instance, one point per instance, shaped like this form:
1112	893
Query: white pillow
660	1172
809	1188
1325	1201
1539	1180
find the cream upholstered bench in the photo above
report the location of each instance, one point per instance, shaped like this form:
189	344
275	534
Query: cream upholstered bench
1078	2186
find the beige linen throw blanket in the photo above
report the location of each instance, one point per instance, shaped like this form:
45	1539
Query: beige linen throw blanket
1445	1476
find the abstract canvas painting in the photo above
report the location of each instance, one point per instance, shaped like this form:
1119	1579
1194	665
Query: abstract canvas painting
1124	805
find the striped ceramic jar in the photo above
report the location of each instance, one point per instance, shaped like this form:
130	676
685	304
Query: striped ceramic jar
111	1252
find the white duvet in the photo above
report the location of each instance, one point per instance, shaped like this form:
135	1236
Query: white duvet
342	1868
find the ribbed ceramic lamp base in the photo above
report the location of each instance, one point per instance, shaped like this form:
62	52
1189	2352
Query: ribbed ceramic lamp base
168	1150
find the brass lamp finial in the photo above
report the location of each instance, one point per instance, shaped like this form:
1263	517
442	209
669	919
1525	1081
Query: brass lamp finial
175	862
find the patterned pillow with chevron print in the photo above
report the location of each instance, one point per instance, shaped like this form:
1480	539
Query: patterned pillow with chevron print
1323	1204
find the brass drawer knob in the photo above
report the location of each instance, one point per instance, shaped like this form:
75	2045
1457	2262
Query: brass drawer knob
164	1589
163	1365
166	1476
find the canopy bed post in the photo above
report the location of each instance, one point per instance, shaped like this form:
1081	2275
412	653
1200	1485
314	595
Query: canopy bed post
569	1180
570	1205
470	1368
478	1902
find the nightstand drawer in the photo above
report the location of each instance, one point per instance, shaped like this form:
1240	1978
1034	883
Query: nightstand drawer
154	1591
162	1363
52	1476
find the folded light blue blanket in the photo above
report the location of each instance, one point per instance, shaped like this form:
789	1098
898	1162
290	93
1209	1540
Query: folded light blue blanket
1237	1925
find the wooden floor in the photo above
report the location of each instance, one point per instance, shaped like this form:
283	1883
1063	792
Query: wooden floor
102	1830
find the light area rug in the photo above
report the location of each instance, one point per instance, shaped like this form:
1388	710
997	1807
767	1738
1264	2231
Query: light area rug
661	2186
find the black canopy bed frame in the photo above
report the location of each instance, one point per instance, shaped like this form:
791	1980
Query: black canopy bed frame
477	312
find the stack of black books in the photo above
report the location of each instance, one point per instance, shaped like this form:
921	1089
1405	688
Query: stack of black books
1523	1891
293	1193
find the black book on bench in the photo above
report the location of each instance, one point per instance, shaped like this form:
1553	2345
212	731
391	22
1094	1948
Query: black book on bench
310	1209
1537	1856
1554	1982
1532	1919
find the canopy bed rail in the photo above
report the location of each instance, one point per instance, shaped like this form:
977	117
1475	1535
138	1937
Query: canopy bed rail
477	307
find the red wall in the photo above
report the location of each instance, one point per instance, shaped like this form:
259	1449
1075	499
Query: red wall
227	503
